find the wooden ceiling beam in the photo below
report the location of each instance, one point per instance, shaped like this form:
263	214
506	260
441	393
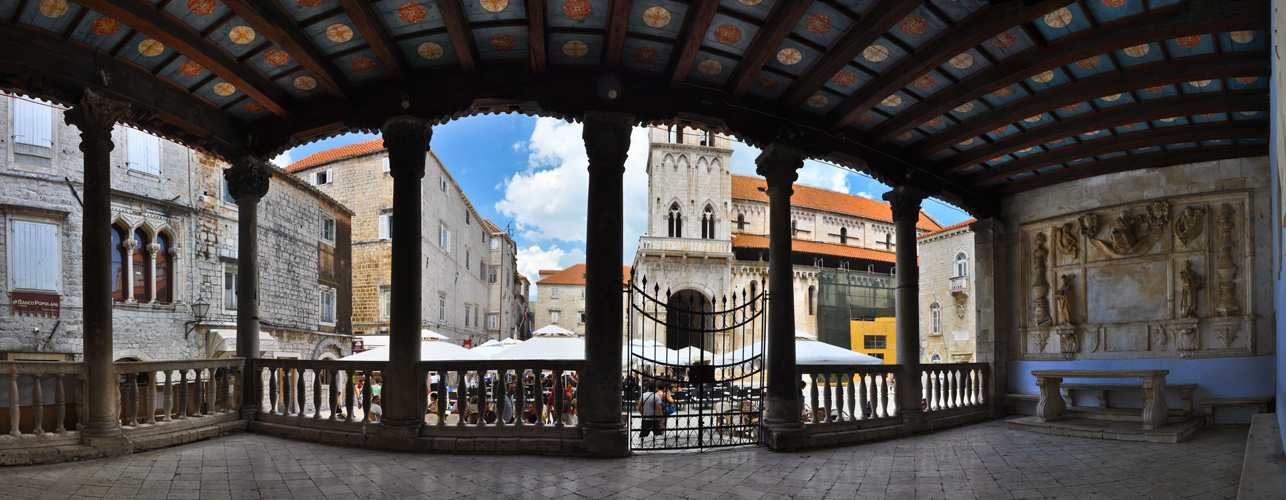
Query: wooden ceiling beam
783	18
618	23
1209	131
1112	117
270	20
695	25
1203	67
457	23
1193	17
370	24
536	50
1135	162
874	23
144	17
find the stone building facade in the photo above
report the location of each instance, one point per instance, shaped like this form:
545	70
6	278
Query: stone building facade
708	236
469	285
560	297
175	241
947	315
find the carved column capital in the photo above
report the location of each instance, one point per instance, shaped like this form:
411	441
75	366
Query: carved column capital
95	116
905	202
406	137
607	139
248	178
780	166
129	245
153	248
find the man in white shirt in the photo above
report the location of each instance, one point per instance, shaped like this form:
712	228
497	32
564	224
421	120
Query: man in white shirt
507	415
376	412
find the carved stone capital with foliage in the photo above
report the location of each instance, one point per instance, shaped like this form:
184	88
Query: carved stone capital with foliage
780	165
607	139
407	139
905	202
95	116
248	179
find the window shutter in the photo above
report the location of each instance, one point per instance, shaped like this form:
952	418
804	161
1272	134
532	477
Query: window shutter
22	126
137	157
312	178
153	154
33	123
386	167
384	227
330	177
35	256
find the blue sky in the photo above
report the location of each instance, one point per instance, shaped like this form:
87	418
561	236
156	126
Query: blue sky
529	174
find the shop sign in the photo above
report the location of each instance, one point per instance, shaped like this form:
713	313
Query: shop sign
35	304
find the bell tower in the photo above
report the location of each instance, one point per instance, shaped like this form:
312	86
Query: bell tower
689	183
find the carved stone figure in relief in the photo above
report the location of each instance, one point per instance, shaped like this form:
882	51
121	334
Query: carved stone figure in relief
1123	238
1089	225
1189	223
1040	285
1129	234
1063	301
1160	212
1066	238
1226	301
1190	282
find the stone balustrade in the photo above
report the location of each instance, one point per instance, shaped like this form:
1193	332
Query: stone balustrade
157	392
487	381
31	379
691	246
947	386
308	392
959	284
839	394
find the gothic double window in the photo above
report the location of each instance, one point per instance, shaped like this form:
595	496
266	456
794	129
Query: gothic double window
707	223
676	221
142	266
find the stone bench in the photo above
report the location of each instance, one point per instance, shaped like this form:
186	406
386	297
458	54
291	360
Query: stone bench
1210	403
1052	405
1101	389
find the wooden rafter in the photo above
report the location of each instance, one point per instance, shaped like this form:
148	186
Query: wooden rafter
857	37
1147	160
1209	131
269	19
782	19
371	26
143	17
1203	67
457	24
695	25
1194	17
618	22
536	38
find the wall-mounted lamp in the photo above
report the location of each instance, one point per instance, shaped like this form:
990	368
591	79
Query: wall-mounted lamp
199	310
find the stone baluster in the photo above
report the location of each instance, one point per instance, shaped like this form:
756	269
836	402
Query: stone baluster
892	388
520	398
851	381
557	395
37	405
932	403
367	392
830	405
248	182
169	396
442	398
132	405
960	389
60	404
335	384
812	396
539	399
350	399
861	380
982	389
301	399
150	392
183	394
317	399
15	405
926	390
950	390
482	397
198	385
881	388
274	378
95	116
461	397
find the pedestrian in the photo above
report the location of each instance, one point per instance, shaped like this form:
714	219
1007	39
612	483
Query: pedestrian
434	378
507	414
376	412
649	408
375	389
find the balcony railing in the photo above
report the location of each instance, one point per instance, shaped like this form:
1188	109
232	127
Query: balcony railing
838	394
685	246
158	392
948	386
46	386
959	284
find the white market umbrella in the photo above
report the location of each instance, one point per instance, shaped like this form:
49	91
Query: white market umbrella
650	353
511	342
490	348
433	347
808	351
550	342
692	355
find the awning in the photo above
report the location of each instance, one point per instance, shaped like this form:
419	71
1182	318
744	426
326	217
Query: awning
224	340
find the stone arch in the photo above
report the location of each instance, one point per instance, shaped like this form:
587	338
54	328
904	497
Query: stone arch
682	162
716	165
684	324
131	353
324	348
702	163
668	161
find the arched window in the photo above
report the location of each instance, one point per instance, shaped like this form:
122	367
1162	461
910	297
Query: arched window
935	318
118	264
843	236
164	278
794	228
753	290
812	300
142	264
707	223
676	221
962	264
741	222
937	358
888	241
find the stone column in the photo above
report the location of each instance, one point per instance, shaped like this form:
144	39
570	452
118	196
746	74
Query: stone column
129	243
407	139
152	249
991	342
905	203
95	116
607	140
248	182
783	429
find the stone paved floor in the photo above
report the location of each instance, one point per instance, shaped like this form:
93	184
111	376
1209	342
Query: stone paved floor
979	461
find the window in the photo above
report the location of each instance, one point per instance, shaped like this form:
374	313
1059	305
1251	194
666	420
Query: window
466	259
466	315
874	342
492	277
442	308
328	229
476	311
741	222
443	183
227	193
323	177
553	293
444	238
935	319
144	151
812	300
384	161
582	294
843	236
164	278
554	317
386	301
879	355
495	243
707	223
386	226
468	221
962	265
676	221
493	321
32	123
119	258
142	266
794	228
35	255
580	317
230	287
327	305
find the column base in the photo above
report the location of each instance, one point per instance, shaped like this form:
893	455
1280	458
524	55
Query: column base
606	440
105	431
107	445
785	437
249	412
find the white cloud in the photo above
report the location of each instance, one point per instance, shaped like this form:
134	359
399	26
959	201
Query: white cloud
548	200
282	160
532	259
824	176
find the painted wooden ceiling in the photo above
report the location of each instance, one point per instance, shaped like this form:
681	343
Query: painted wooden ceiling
965	97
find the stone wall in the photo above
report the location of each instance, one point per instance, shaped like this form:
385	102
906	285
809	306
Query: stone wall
570	301
955	342
1160	265
1277	153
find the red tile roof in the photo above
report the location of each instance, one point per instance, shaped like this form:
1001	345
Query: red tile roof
490	227
807	196
813	247
341	152
948	228
575	275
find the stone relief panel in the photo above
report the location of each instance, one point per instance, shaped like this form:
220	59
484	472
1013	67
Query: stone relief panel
1159	278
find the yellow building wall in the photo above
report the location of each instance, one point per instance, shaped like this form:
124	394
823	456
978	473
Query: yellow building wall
858	330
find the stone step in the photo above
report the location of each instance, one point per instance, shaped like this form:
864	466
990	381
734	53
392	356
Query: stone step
1120	414
1107	429
1263	473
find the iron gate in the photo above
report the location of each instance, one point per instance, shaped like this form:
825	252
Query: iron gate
711	349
